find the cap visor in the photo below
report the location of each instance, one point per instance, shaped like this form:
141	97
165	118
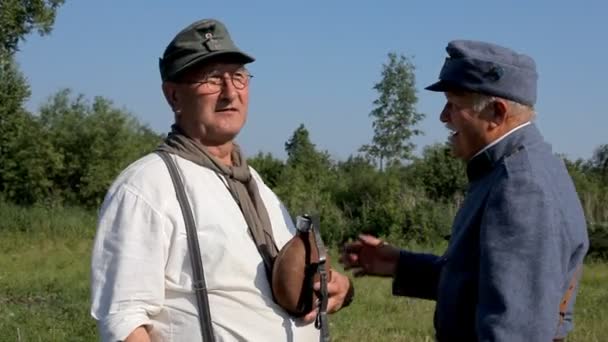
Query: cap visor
439	86
221	56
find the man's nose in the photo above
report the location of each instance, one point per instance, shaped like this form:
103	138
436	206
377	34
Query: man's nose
444	116
228	89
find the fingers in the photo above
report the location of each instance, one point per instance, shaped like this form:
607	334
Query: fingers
333	305
310	317
337	289
350	252
370	240
353	247
349	260
364	240
350	255
337	285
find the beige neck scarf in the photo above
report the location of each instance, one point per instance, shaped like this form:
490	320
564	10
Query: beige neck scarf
240	184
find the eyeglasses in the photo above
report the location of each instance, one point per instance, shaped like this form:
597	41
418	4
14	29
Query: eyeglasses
213	82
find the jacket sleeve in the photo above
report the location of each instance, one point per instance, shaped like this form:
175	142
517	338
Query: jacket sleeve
521	262
417	275
127	266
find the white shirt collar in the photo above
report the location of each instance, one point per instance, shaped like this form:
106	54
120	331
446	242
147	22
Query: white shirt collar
499	139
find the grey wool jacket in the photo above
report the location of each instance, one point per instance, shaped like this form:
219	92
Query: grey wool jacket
515	245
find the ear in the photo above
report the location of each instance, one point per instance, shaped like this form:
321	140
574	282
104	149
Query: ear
499	108
170	94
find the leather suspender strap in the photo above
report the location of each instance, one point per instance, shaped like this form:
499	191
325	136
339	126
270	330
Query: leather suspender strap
198	282
321	321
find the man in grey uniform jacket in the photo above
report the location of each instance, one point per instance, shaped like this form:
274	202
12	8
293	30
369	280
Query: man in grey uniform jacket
519	239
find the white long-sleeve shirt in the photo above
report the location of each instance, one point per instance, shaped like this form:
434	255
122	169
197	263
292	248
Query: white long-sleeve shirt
141	272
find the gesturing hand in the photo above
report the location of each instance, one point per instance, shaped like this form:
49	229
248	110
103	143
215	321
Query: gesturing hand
370	256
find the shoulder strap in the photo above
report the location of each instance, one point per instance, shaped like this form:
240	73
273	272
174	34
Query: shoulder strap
321	321
198	273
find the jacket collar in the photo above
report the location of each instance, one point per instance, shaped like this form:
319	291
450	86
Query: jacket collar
486	161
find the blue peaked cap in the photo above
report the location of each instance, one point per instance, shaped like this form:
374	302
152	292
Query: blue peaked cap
488	69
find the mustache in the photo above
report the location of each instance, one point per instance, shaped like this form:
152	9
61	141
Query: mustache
219	109
450	127
223	104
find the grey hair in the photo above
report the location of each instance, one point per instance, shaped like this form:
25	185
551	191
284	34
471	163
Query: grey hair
481	101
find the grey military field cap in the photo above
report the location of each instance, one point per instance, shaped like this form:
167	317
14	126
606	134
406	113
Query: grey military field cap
200	41
488	69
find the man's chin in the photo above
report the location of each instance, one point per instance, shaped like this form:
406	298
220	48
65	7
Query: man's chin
221	138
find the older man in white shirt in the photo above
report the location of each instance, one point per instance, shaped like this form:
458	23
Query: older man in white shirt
142	276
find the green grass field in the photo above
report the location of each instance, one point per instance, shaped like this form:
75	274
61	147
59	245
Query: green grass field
44	297
44	288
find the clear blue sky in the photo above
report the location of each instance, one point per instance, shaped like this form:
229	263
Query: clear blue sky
318	60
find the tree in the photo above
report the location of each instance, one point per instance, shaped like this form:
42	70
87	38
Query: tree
269	168
305	184
599	162
304	162
96	140
18	18
13	92
442	176
395	115
302	152
26	158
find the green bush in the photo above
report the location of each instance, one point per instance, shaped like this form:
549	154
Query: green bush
598	241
